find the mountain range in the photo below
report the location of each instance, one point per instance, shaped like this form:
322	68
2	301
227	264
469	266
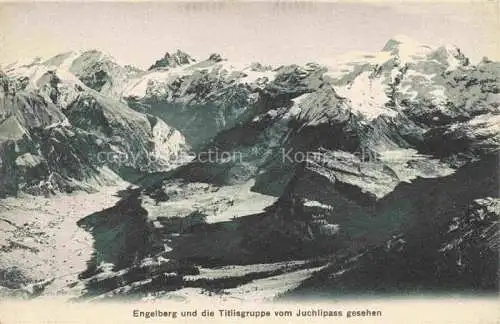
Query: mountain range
377	173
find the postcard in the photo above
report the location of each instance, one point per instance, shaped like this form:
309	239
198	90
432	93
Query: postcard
249	161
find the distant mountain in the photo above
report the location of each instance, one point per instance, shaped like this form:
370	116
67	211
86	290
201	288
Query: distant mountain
173	60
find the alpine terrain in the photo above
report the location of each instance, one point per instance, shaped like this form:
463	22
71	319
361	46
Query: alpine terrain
375	173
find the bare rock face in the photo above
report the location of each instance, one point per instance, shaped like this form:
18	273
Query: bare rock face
173	60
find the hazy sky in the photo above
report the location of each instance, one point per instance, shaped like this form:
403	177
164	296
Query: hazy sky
285	32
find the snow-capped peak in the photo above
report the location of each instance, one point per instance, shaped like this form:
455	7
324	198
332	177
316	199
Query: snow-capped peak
66	60
450	55
215	57
63	60
175	59
406	48
21	63
400	40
